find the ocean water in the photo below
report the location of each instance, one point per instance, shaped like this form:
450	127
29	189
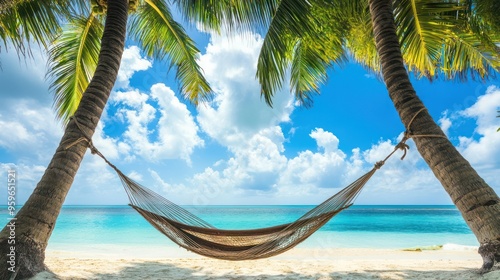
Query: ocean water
391	227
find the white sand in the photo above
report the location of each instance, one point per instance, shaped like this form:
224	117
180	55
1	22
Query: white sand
133	262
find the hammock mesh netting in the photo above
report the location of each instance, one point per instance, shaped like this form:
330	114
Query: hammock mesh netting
196	235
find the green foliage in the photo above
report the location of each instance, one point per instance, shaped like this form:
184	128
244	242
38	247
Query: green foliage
159	35
444	38
291	22
73	56
422	25
438	38
25	22
488	11
229	15
72	62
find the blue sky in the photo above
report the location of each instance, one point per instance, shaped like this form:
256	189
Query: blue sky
235	149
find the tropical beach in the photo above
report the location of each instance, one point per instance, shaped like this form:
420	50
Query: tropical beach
363	242
273	139
302	263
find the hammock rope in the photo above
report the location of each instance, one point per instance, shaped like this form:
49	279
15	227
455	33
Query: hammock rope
196	235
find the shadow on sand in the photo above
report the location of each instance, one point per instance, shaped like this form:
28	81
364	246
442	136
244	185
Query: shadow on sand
158	270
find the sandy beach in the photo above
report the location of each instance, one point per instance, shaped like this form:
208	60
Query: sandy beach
134	262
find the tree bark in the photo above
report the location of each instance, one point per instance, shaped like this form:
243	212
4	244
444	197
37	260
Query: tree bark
36	219
474	198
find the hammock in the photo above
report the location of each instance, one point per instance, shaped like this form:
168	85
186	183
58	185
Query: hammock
198	236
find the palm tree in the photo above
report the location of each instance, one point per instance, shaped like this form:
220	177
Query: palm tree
476	200
73	64
430	38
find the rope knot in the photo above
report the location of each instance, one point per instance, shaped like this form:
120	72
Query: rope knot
379	164
403	146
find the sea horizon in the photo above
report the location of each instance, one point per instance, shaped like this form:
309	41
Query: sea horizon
360	226
106	205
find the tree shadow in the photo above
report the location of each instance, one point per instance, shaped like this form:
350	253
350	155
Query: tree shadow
160	270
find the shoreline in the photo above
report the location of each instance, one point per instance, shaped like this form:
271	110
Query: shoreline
298	263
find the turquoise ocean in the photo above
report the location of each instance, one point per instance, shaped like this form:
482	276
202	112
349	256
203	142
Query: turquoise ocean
361	226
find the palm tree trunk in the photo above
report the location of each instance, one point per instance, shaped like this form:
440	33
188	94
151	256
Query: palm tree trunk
36	220
478	202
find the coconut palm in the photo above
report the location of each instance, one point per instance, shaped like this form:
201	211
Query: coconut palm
85	60
452	39
25	22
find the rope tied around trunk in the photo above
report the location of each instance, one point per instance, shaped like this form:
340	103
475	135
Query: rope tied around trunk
93	149
407	135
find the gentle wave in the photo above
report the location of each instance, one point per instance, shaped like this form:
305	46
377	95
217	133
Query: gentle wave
457	247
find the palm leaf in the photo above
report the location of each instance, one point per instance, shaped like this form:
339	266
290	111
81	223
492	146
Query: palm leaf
24	22
229	14
317	50
308	71
422	26
160	36
359	38
465	55
291	21
72	62
488	10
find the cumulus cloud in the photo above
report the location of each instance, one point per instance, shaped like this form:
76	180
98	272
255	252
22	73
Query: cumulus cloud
483	148
237	111
176	133
238	119
132	62
27	121
29	129
255	168
445	122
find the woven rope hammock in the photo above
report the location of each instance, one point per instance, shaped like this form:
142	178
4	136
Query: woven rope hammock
196	235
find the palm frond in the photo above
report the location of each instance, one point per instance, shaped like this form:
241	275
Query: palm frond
291	21
318	49
465	56
422	26
360	41
160	36
488	10
72	62
25	22
308	71
229	15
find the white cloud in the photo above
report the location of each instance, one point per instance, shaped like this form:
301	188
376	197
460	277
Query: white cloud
113	148
136	176
157	127
27	175
176	132
239	120
132	61
237	111
29	127
483	150
445	122
325	140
